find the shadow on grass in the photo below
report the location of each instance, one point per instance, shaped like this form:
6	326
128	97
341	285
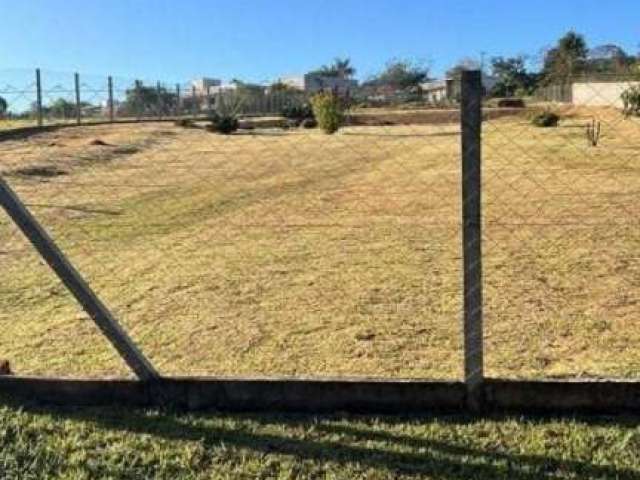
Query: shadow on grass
364	442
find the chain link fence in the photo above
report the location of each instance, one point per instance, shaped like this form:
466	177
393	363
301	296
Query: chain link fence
285	251
562	240
40	97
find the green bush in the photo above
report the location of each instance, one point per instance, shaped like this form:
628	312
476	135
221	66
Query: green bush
546	119
184	122
511	103
328	110
297	112
631	101
309	123
225	124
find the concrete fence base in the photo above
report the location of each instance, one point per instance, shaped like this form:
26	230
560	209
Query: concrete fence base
326	395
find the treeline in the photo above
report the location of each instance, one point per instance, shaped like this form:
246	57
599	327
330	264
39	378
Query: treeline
571	56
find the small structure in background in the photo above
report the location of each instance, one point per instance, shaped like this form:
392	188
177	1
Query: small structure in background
437	91
448	89
203	86
315	82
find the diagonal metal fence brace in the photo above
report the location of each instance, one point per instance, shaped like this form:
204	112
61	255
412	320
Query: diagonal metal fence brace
74	282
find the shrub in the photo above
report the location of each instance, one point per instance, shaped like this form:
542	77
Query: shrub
511	103
593	132
225	124
631	101
184	122
328	110
546	119
309	123
297	112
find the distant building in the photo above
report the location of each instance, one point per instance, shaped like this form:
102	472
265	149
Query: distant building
449	88
315	82
204	85
436	91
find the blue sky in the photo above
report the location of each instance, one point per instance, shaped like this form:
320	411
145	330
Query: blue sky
259	40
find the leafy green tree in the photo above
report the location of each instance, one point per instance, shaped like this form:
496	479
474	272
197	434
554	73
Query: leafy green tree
340	68
512	77
4	106
566	59
145	99
465	64
245	88
401	75
62	108
610	58
281	87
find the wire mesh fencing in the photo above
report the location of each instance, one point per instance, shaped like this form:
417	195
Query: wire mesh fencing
271	251
286	251
43	97
561	237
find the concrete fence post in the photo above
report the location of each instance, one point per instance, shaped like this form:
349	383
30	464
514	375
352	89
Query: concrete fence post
38	98
209	101
194	99
178	105
471	123
138	97
76	81
160	100
110	100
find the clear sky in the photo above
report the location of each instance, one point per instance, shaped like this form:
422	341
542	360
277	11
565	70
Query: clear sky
259	40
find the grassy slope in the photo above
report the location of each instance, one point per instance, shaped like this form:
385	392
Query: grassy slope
38	443
297	253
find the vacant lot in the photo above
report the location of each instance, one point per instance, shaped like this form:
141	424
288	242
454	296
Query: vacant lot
291	252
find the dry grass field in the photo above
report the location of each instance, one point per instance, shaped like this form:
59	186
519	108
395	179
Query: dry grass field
292	252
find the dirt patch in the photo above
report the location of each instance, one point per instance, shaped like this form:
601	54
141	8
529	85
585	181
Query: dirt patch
46	171
127	150
98	142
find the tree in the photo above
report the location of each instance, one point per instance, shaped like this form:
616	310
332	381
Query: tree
245	88
281	87
609	58
340	68
401	75
142	99
512	77
566	59
465	64
62	108
4	106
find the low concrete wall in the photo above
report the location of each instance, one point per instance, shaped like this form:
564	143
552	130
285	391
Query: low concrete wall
606	396
423	117
327	394
600	94
269	394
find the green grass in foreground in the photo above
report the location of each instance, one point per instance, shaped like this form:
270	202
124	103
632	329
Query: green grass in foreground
110	443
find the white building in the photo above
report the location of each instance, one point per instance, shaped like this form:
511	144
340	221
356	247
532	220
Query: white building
449	88
204	85
436	91
316	82
600	94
